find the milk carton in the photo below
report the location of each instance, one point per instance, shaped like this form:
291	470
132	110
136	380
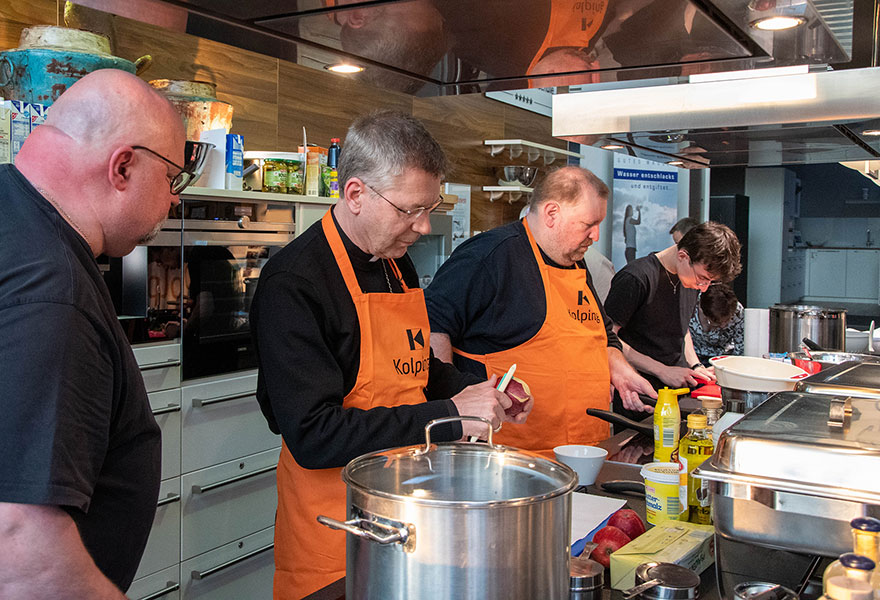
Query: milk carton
38	114
5	133
21	124
234	161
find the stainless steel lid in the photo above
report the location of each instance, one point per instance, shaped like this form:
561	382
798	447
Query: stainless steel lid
861	379
804	310
814	444
586	574
762	591
664	581
459	474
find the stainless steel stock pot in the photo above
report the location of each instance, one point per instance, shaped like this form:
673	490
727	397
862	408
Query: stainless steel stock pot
457	520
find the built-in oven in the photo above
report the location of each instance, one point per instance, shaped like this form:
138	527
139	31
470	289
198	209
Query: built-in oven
196	280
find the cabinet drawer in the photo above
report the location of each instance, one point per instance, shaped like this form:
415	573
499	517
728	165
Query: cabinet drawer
163	547
166	410
160	365
241	569
222	421
227	502
164	585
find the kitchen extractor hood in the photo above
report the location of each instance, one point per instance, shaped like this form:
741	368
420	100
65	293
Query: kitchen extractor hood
439	47
754	118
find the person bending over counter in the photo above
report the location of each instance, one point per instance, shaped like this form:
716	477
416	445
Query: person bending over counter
652	299
522	294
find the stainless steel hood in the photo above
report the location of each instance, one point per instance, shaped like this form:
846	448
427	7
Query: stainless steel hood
440	47
762	119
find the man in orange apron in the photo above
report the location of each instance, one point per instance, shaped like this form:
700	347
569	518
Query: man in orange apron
521	294
343	344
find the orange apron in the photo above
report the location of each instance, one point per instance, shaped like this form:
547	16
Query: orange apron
565	365
308	555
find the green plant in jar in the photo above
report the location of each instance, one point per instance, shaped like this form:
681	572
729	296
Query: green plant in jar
275	175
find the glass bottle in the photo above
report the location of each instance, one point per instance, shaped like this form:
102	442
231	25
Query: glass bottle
333	153
866	543
711	407
696	447
855	566
841	587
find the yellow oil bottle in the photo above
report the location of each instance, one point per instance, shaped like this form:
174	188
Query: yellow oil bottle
696	447
667	421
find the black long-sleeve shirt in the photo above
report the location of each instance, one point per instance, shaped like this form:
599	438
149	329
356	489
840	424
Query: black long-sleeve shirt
307	336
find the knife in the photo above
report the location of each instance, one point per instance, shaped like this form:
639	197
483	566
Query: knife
502	385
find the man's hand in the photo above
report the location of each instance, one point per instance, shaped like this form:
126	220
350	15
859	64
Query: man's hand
481	400
681	376
706	372
628	383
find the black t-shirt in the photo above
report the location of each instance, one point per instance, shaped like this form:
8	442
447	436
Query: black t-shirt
307	335
77	431
652	308
489	295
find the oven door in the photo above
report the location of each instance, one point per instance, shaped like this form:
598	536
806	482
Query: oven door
221	268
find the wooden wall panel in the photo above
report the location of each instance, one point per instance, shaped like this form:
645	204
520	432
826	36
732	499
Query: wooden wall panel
247	80
326	104
15	15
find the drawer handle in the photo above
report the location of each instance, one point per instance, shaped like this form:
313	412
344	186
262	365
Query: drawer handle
169	499
171	362
171	587
199	489
168	409
218	399
220	567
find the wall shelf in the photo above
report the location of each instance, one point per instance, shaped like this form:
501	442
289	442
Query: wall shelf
533	150
514	192
251	196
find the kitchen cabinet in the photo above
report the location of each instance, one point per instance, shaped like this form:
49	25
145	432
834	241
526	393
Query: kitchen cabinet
794	275
240	569
827	271
862	274
164	585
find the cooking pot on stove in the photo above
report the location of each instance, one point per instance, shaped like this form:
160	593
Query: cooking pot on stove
457	520
789	324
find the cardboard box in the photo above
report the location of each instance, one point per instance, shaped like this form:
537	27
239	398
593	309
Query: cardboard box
234	161
5	133
21	124
686	544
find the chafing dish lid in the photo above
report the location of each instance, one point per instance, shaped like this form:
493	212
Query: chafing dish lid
786	444
861	379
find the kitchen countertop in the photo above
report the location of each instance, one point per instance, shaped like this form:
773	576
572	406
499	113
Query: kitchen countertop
611	470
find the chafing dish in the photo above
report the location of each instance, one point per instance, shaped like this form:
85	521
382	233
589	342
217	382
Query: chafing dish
794	471
860	379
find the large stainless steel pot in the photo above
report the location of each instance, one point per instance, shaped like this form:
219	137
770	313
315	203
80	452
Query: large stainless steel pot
457	520
790	324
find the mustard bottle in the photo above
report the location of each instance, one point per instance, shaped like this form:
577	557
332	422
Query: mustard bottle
667	420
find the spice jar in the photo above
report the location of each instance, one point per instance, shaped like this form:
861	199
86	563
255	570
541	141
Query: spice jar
664	581
587	577
275	175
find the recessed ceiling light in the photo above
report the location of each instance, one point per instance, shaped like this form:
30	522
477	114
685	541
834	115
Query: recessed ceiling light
612	147
344	68
871	132
777	23
676	163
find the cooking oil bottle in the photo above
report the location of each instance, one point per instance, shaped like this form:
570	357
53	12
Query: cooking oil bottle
667	421
696	447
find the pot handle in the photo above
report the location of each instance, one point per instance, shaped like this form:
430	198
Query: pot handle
396	535
442	420
642	587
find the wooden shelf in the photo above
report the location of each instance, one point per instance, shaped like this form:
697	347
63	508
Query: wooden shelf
533	150
238	196
514	192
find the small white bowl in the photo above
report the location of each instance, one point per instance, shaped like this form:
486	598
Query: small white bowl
585	460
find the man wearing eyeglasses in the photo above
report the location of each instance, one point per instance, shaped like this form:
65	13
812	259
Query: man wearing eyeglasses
79	448
343	344
652	299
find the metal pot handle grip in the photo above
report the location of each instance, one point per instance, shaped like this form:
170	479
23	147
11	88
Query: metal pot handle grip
442	420
642	587
396	535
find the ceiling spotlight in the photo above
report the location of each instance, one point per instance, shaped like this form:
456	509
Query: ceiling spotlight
871	132
344	68
777	23
676	163
613	147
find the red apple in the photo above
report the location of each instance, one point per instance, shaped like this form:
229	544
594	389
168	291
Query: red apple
628	521
607	540
518	392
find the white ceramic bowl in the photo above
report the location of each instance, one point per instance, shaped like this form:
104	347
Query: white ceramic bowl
857	341
752	374
585	460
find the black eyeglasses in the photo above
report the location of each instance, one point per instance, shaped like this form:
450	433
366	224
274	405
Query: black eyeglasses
195	154
414	213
